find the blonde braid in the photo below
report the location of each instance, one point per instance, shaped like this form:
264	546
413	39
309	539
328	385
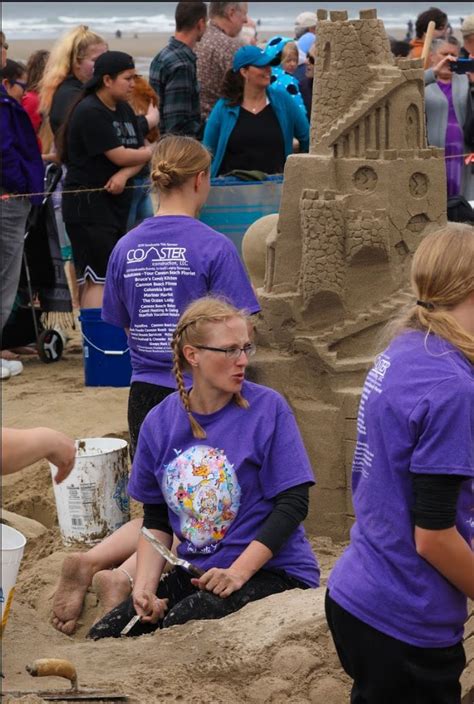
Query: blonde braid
198	431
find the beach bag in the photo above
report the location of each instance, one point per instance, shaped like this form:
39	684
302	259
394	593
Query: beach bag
235	204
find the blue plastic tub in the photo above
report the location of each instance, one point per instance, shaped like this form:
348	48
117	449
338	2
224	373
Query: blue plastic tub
233	205
105	351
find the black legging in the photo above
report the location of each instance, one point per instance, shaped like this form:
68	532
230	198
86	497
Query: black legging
142	398
186	602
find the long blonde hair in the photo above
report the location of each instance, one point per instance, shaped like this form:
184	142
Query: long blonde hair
442	275
67	51
191	330
176	159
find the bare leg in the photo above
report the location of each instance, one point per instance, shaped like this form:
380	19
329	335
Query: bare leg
72	282
91	295
114	586
79	568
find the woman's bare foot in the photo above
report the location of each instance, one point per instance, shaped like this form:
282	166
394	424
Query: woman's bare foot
112	587
76	576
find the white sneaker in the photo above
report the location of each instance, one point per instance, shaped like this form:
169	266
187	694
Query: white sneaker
5	370
14	366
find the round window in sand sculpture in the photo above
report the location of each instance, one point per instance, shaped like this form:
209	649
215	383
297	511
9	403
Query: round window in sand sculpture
365	179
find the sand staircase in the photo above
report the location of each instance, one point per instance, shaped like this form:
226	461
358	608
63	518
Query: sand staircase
320	343
387	79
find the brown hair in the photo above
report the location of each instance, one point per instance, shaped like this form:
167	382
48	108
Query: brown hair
67	51
233	87
442	275
176	159
191	330
35	68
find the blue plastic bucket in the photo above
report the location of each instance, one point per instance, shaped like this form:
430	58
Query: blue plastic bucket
105	351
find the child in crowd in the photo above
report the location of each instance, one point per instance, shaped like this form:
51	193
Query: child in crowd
397	599
284	53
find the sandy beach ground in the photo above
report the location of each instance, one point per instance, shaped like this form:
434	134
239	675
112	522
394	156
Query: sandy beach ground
276	651
143	47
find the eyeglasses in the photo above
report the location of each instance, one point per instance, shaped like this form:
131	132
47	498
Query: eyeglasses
231	352
22	84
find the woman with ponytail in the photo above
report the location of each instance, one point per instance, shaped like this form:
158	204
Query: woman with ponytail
102	147
397	599
162	265
221	464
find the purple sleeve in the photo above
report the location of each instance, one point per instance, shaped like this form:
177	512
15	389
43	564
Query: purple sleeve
114	310
229	279
143	485
286	463
443	426
13	177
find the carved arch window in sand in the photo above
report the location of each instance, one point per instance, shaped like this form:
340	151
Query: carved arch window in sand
327	57
412	126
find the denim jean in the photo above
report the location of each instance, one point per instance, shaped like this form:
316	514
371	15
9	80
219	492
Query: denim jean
141	207
13	213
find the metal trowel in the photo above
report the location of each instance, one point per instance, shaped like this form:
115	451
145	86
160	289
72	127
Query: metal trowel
53	667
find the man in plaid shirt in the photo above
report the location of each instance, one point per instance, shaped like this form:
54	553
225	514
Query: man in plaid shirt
173	73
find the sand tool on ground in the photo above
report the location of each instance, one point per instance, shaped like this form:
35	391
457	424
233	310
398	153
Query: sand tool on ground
54	667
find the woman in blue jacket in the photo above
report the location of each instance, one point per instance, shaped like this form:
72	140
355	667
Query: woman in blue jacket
253	125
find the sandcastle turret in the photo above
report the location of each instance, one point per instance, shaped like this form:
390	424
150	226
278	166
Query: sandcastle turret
352	213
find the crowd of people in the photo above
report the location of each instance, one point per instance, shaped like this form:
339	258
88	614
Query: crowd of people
218	461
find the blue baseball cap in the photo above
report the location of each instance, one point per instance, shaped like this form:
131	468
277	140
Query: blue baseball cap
250	56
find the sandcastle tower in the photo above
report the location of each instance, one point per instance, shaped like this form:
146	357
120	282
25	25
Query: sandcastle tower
352	213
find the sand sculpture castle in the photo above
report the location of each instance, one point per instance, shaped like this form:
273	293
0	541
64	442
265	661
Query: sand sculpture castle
352	213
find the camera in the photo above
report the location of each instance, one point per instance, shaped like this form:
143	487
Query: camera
462	66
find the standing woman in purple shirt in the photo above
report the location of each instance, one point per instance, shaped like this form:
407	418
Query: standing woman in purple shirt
397	599
220	464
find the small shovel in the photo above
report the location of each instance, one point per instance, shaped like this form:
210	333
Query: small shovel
53	667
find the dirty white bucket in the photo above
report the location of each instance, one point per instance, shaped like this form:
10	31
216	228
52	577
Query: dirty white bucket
13	544
92	501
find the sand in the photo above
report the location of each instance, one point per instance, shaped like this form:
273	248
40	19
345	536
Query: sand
142	47
275	651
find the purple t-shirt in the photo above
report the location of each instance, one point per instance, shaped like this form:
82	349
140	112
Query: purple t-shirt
416	416
154	272
219	490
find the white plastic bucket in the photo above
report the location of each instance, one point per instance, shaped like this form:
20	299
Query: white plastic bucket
93	501
13	544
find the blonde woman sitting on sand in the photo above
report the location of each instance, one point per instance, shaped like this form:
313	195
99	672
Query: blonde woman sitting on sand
220	464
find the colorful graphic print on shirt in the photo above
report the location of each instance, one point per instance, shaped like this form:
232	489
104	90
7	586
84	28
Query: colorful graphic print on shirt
200	486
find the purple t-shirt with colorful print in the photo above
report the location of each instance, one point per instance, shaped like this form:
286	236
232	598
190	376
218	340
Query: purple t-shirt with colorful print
220	490
154	272
416	416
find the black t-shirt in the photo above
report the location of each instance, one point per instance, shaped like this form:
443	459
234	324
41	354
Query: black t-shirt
65	95
94	129
255	143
